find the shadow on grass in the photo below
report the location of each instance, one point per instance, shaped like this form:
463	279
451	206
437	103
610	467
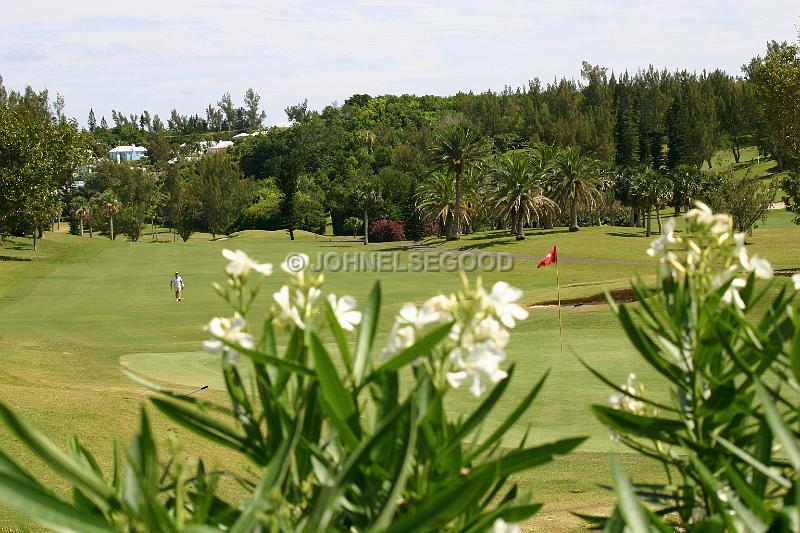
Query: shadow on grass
620	234
488	244
13	258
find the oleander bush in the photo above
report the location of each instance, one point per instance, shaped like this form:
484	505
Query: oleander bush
332	439
724	337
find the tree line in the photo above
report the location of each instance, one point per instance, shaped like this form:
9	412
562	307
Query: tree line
630	142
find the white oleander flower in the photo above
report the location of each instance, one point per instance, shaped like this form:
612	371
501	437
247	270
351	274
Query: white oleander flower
761	267
438	309
502	299
660	246
701	213
401	337
501	526
625	401
289	312
231	331
344	309
731	294
241	264
796	281
481	363
490	329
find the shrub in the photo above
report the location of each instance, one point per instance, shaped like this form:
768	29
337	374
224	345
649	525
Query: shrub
386	231
724	340
332	441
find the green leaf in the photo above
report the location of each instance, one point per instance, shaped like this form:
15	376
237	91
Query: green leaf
744	491
205	425
56	459
398	482
651	427
771	472
422	347
632	511
11	469
333	390
647	347
325	503
443	505
477	416
273	477
519	460
49	511
511	419
780	431
366	333
265	359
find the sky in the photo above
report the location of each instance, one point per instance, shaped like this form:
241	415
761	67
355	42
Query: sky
164	54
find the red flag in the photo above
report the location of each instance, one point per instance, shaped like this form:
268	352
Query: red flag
550	258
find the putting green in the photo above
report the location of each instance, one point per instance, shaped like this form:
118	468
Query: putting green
188	369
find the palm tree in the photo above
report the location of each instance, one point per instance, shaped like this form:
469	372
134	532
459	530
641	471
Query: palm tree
517	191
457	146
575	181
652	189
543	158
109	203
82	212
436	201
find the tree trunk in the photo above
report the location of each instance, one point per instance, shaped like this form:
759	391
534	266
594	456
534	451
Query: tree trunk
58	227
111	224
520	233
35	229
91	229
153	225
647	231
548	221
573	216
736	154
366	227
455	230
658	219
40	230
81	220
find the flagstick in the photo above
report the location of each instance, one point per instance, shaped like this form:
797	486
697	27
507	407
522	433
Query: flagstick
558	297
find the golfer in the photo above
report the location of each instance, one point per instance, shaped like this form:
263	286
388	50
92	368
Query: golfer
177	284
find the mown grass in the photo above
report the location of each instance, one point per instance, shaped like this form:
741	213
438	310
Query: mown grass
72	311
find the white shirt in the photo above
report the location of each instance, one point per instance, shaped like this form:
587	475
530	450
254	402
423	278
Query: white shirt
177	283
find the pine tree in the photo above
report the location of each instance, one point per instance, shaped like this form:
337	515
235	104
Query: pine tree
679	135
158	125
626	130
103	123
92	122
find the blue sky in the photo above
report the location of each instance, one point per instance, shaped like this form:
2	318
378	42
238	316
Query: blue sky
156	55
